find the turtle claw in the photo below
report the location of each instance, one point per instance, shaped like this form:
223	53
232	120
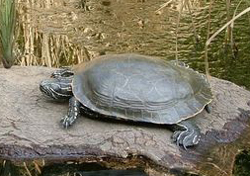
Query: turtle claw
175	136
179	137
67	121
188	137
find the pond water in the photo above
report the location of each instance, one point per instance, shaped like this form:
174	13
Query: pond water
87	170
58	33
73	169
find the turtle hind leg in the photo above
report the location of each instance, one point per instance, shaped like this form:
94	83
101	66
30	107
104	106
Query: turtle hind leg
73	112
186	134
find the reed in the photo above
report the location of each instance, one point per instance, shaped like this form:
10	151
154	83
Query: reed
209	40
49	36
7	30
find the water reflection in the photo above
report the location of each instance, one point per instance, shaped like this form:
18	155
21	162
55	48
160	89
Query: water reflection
87	169
7	168
56	33
111	173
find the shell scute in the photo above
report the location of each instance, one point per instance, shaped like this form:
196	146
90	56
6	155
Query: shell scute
141	88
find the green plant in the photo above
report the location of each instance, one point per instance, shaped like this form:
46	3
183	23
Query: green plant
7	30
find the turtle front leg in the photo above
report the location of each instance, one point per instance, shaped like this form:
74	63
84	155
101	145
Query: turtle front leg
67	72
187	134
73	112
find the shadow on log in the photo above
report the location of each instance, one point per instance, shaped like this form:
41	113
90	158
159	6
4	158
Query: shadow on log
29	129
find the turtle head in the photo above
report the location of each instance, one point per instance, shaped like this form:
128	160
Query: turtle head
57	88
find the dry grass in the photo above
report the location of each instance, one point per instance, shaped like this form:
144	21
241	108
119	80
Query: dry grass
44	48
39	46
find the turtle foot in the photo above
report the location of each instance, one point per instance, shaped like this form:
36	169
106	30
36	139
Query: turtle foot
73	113
188	137
67	121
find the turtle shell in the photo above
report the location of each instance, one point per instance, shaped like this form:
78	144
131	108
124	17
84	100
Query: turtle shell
141	88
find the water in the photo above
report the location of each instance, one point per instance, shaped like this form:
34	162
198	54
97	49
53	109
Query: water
87	170
55	33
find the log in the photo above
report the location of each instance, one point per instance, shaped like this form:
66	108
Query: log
30	129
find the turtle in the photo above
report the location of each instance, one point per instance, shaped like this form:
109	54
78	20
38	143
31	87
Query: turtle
137	88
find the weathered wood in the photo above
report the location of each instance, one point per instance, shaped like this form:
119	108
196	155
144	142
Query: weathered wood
29	129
